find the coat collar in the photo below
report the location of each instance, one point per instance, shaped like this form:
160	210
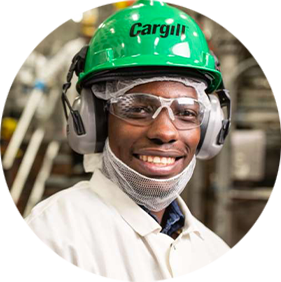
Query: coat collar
134	215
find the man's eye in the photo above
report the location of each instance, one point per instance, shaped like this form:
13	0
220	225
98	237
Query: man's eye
187	114
139	111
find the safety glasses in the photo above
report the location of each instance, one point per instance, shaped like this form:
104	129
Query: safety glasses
142	109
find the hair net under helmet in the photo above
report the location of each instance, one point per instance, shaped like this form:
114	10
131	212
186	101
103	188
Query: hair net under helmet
113	89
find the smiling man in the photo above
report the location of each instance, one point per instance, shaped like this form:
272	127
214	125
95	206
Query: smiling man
145	112
155	139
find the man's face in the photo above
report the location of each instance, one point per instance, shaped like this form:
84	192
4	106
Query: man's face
158	150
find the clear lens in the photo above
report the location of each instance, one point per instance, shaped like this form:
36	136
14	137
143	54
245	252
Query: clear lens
188	113
140	109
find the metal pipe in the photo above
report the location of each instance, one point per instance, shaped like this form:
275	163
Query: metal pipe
26	164
44	173
22	127
256	194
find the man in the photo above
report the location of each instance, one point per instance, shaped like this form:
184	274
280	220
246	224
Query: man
141	120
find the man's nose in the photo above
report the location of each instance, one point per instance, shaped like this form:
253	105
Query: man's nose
162	129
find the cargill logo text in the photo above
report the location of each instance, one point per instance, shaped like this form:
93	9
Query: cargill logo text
164	29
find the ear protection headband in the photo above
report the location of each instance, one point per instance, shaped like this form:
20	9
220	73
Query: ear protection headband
87	118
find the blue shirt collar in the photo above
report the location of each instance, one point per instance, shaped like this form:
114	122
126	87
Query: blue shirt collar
173	218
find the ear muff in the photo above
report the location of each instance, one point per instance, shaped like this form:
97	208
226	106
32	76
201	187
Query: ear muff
87	119
210	129
91	112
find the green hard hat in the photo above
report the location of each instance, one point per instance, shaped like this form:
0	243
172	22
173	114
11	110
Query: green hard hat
150	35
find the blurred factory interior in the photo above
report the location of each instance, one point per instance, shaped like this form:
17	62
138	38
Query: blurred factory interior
227	193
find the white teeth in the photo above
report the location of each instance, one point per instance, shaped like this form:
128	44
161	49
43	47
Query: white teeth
164	160
150	159
158	160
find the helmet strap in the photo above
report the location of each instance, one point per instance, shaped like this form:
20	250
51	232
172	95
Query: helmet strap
225	101
77	65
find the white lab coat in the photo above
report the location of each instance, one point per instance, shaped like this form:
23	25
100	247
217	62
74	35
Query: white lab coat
97	227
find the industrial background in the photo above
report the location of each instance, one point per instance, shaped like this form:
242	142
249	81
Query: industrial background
227	193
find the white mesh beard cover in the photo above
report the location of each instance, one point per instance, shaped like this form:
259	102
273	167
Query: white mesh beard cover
154	194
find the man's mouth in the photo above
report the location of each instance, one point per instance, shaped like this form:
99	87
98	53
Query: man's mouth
157	160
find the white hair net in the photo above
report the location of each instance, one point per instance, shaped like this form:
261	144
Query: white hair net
113	89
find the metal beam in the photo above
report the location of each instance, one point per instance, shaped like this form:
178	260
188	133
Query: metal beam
254	194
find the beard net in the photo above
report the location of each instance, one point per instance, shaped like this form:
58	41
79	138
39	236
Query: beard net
154	194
